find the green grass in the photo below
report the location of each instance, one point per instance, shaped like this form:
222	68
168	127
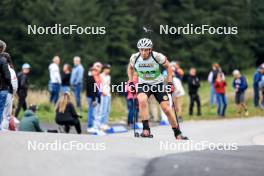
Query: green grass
210	113
46	111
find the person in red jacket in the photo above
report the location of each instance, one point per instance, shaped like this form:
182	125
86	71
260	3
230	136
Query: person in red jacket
220	85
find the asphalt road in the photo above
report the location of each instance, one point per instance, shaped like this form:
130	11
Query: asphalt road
122	154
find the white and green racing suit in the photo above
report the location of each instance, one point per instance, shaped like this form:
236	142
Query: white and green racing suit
148	70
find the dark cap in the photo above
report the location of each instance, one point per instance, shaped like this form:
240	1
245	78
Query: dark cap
33	108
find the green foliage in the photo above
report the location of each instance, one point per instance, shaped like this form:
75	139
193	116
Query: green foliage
124	20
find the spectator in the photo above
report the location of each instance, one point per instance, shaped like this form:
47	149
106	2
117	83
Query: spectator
22	90
261	84
193	85
30	121
7	113
211	79
132	102
92	94
106	96
55	80
257	84
240	86
95	129
219	86
77	79
178	71
256	80
66	114
65	84
13	121
178	96
5	80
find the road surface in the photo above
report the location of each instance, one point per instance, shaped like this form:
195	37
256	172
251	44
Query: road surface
122	154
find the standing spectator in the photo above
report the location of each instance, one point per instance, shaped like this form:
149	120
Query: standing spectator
5	80
193	85
177	97
95	129
261	84
65	85
178	71
66	114
256	84
30	121
55	80
132	102
240	86
106	96
92	95
219	86
77	80
22	90
7	113
97	114
211	79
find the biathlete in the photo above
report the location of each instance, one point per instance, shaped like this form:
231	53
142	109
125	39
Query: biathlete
147	64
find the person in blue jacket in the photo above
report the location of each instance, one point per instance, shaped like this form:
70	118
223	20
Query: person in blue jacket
256	79
240	85
76	80
261	85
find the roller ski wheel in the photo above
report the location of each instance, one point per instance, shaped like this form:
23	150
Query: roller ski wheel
146	134
180	137
136	134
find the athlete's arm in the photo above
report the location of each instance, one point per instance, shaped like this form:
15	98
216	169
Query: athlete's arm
169	70
130	72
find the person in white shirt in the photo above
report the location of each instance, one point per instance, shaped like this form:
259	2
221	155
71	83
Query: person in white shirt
55	80
178	96
106	96
7	113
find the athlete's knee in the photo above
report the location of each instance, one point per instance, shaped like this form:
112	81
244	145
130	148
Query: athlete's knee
142	101
142	104
166	109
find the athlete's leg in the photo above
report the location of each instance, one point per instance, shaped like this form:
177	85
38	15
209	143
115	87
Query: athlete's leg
143	113
178	107
165	106
174	99
163	99
143	105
